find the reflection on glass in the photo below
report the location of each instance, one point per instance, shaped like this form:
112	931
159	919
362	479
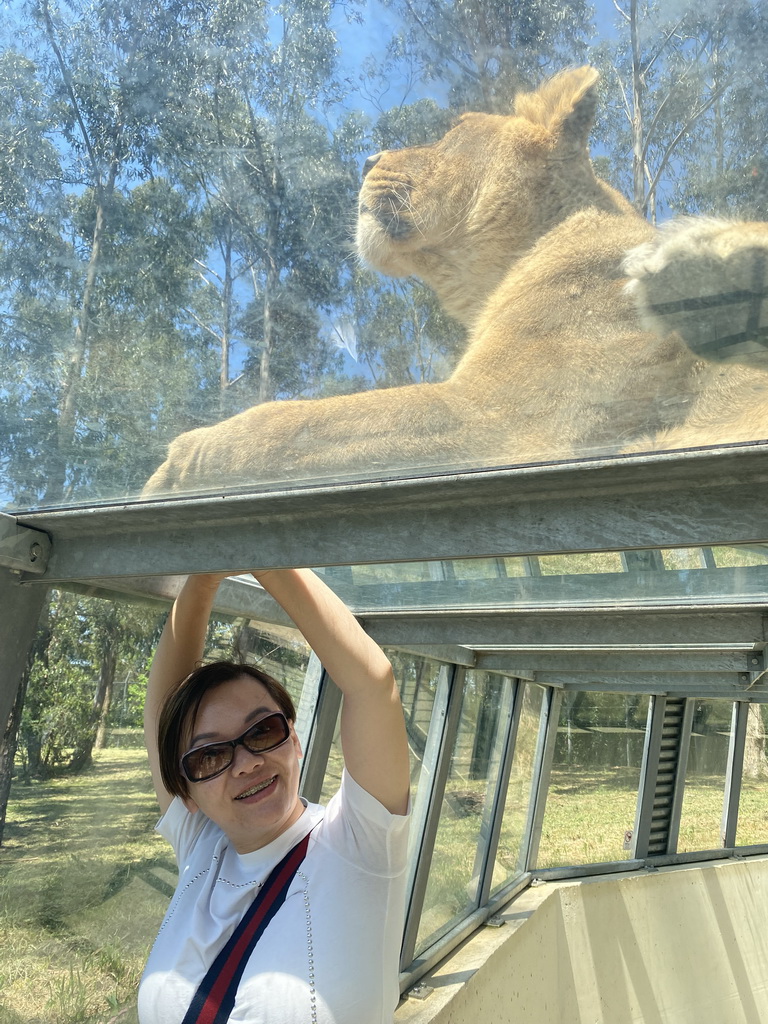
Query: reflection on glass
592	795
511	853
462	834
702	811
281	652
423	687
752	826
178	194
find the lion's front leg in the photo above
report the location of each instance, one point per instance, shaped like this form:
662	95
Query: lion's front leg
334	438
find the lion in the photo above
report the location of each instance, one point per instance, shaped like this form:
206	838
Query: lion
506	220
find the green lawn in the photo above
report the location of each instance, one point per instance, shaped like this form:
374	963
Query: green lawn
84	883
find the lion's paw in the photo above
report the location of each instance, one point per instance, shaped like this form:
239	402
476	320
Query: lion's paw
707	279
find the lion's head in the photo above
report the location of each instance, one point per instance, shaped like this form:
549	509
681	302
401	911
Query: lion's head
457	213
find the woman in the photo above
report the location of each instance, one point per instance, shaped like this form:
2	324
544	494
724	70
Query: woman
225	763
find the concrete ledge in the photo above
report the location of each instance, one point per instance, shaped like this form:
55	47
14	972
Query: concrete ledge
679	945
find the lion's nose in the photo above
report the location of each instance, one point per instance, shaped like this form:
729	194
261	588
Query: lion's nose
370	163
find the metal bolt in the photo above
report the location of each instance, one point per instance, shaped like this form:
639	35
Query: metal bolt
35	550
420	991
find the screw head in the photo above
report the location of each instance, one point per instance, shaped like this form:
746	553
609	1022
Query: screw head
35	551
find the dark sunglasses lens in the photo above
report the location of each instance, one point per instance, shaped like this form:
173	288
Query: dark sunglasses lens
268	733
206	762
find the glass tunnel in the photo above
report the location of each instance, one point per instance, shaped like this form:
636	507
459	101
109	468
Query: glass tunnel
464	306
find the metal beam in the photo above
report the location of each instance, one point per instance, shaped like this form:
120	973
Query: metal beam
668	662
716	628
651	682
623	503
22	548
744	585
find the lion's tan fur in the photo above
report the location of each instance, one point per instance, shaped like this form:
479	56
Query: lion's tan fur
505	219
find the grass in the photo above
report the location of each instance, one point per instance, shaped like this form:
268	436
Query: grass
84	883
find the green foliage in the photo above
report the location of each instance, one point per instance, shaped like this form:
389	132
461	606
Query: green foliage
86	640
685	88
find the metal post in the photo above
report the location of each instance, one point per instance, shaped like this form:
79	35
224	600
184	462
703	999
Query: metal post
323	729
545	754
19	611
648	778
734	772
424	860
497	811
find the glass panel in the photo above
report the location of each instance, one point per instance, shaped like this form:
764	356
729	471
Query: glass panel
695	576
180	308
423	685
462	835
510	859
702	812
752	826
592	795
84	880
280	651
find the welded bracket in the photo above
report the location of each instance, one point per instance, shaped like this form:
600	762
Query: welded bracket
21	548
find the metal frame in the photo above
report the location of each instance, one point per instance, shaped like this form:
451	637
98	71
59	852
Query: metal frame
545	752
734	772
497	810
427	838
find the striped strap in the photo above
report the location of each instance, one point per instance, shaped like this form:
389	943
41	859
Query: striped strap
214	999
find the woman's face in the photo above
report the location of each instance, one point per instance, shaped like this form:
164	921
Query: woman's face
251	813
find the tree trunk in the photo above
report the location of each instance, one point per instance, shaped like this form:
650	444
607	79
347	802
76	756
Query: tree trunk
226	327
638	157
268	343
755	766
83	754
106	689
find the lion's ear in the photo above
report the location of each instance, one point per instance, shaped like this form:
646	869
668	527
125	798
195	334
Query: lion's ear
565	105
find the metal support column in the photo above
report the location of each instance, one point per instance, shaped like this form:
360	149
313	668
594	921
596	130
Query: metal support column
735	770
545	753
497	810
442	769
19	611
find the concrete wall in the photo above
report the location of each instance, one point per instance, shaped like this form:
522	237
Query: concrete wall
672	946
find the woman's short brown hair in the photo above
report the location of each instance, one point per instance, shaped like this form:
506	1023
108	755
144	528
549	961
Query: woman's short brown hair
181	704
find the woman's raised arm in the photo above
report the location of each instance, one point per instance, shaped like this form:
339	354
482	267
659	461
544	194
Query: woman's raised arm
373	736
178	653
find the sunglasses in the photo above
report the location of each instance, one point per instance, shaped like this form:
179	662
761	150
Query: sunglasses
206	762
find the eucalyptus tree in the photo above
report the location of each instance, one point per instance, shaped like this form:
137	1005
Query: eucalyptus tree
274	192
688	96
484	52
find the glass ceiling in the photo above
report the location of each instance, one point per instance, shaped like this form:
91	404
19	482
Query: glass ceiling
184	187
612	580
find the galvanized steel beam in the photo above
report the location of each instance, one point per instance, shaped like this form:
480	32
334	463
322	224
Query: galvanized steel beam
624	503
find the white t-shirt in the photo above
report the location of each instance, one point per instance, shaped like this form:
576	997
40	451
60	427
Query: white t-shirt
330	954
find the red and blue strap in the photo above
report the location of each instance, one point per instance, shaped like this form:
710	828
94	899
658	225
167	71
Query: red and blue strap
215	997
